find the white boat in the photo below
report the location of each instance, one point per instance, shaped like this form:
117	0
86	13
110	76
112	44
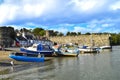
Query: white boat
106	47
86	49
38	48
68	52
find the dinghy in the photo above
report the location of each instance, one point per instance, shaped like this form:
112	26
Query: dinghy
19	56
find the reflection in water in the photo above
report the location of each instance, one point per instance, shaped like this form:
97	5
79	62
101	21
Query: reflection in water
102	66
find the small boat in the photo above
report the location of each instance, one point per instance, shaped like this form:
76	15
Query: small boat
38	48
106	47
18	56
86	49
68	52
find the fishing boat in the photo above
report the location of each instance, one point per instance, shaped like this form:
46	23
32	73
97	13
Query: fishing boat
68	52
106	47
89	49
86	49
38	48
19	56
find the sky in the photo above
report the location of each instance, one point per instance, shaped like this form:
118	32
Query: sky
83	16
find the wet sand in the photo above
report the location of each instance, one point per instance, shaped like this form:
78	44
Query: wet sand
4	55
5	60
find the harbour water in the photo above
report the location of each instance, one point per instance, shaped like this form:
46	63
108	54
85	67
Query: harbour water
101	66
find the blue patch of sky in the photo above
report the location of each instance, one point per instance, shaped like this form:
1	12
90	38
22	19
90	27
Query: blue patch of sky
82	25
1	1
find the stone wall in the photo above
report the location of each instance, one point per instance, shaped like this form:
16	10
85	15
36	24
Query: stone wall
89	40
5	36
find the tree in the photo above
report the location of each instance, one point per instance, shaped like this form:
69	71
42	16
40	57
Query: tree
55	33
38	31
60	34
115	39
79	33
42	33
88	33
68	33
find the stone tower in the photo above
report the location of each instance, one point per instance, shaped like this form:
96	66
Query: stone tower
5	36
47	33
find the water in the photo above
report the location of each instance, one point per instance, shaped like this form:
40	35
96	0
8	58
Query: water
102	66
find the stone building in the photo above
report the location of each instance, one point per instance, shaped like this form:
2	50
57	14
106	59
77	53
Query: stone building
6	36
49	33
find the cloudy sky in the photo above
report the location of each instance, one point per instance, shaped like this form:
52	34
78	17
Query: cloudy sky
62	15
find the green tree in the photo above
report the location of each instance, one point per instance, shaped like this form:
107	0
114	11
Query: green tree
87	33
42	33
68	33
56	33
60	34
73	34
38	31
115	39
79	33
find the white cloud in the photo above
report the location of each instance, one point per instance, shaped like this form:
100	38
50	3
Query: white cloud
81	29
107	25
89	6
60	29
115	6
51	11
66	15
7	13
25	9
84	4
91	25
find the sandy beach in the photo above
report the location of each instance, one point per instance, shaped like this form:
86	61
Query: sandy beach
4	55
4	58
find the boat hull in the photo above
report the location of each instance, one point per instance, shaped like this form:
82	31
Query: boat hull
46	53
67	55
106	47
87	50
26	59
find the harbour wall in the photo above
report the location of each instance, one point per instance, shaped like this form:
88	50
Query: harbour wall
88	40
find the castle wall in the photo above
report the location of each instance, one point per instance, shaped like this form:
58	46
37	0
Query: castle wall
5	39
89	40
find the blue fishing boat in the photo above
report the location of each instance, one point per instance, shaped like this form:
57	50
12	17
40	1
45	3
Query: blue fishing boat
38	48
27	57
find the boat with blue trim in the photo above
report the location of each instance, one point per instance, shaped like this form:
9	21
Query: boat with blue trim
26	57
39	48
